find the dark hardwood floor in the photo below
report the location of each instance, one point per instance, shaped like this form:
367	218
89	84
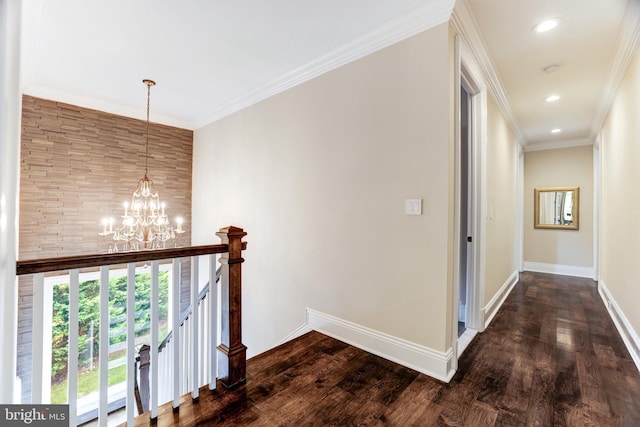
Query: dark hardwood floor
551	357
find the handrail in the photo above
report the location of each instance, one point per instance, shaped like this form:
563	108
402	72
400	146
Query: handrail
230	363
96	260
187	312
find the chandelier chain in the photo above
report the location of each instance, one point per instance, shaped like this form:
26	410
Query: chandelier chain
149	83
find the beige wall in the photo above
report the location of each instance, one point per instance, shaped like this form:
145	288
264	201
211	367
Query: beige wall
502	232
318	176
566	167
620	207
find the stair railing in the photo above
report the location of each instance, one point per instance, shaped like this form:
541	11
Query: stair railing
165	354
228	362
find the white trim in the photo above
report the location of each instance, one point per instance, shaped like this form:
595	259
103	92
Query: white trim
626	45
597	197
466	26
567	270
465	339
628	334
10	116
457	214
490	310
553	145
520	208
300	331
467	71
431	362
434	13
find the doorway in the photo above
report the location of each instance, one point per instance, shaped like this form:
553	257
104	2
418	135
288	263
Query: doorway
470	211
465	256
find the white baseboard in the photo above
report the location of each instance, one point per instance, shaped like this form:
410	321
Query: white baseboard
628	334
465	339
498	299
567	270
301	330
423	359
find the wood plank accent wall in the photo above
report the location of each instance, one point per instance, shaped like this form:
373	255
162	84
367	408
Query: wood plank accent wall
79	166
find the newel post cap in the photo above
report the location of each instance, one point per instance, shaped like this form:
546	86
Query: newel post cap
230	232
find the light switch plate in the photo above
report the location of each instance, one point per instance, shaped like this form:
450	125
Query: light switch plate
413	206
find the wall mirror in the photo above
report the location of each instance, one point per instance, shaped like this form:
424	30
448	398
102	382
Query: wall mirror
556	207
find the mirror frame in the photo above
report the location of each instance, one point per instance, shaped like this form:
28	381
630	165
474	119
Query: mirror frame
576	208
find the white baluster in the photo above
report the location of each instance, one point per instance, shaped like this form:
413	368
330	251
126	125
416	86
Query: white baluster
204	323
175	288
185	345
104	346
155	298
213	324
72	361
131	354
40	373
195	392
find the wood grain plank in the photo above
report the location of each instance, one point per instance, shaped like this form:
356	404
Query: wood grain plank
540	363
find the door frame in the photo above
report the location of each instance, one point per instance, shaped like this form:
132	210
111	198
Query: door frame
467	73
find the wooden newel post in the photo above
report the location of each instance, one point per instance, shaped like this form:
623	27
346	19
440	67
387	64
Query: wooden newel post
232	356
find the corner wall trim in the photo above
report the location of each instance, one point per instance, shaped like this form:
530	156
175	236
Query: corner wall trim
629	335
301	330
567	270
431	362
498	299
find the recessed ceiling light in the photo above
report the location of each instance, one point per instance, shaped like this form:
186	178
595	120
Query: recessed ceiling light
546	25
556	130
552	98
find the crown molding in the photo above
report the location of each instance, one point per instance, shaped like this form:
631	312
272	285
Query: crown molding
84	102
626	47
552	145
467	28
434	13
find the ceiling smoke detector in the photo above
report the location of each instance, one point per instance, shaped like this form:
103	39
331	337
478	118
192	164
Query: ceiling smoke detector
551	68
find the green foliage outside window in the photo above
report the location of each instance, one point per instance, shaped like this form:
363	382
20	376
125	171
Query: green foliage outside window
89	318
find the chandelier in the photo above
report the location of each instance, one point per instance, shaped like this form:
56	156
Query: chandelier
145	224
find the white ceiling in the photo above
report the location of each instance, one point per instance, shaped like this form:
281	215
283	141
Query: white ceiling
208	57
211	58
583	46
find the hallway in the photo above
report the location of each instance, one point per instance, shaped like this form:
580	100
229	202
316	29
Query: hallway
551	357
